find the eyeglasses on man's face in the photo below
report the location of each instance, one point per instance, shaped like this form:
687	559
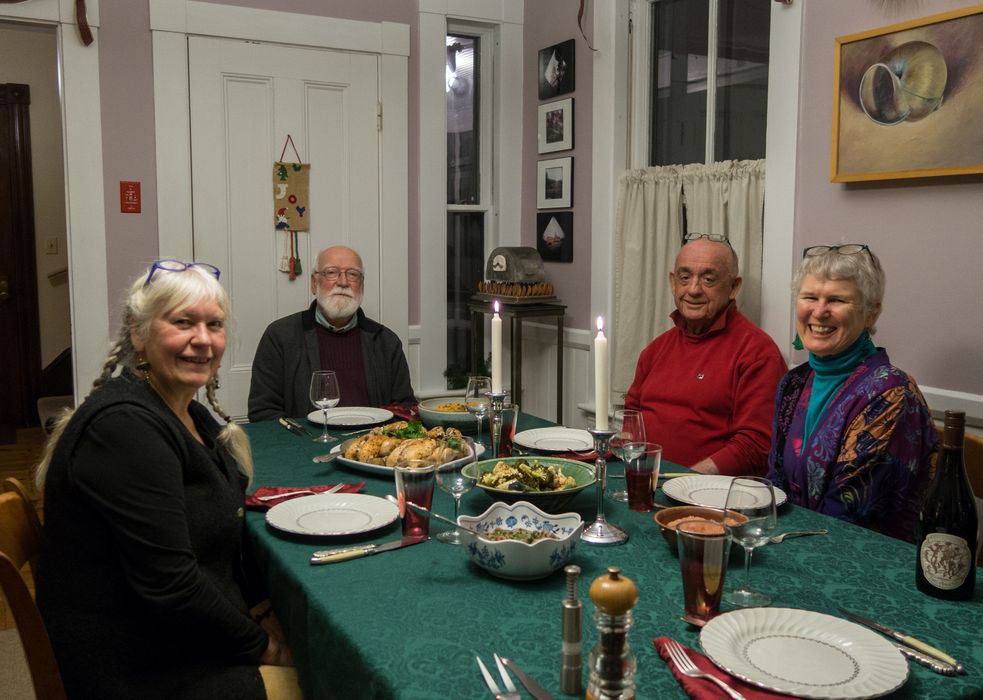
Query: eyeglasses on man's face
178	266
713	237
333	274
845	249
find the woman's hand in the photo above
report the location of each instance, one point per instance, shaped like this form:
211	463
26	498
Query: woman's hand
277	651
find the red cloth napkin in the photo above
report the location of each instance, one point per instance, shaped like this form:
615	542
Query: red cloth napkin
252	500
403	411
702	689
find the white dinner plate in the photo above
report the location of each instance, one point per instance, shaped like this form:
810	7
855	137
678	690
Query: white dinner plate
804	653
351	416
382	468
709	491
332	514
555	440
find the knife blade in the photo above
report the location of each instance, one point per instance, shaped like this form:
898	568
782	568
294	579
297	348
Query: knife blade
940	667
904	639
333	556
534	688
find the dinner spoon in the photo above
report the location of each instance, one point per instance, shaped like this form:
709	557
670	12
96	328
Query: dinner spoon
429	513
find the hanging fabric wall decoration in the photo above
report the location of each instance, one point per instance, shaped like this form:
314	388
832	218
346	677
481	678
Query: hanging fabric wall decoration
291	213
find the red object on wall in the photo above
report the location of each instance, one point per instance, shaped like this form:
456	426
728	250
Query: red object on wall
129	197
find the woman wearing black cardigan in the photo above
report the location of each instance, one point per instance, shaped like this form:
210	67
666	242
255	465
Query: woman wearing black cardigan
142	580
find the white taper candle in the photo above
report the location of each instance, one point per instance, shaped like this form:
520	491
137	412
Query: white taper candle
496	351
601	376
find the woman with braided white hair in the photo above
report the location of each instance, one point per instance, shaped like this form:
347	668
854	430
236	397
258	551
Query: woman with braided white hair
143	579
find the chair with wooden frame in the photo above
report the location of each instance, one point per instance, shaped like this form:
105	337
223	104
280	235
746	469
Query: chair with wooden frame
20	543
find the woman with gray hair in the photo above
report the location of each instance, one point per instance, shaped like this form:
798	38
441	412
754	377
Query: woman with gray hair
852	435
143	579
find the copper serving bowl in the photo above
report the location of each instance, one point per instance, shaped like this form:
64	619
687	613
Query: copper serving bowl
667	518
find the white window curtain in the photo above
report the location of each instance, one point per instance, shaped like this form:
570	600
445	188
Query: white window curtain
724	198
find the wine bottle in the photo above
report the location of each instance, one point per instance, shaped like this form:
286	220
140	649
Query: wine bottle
947	522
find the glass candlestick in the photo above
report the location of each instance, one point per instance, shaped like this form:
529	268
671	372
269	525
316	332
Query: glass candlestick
497	401
601	531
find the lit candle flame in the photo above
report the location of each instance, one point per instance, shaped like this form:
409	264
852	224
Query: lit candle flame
495	305
600	323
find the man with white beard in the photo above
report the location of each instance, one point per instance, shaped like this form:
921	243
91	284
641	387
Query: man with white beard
333	333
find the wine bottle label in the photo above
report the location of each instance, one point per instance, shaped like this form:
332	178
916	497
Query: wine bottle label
946	560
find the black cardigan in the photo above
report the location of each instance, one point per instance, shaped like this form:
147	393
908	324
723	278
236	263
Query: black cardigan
140	580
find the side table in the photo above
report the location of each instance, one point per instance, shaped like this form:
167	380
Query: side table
516	313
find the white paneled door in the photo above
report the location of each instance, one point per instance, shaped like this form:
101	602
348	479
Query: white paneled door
246	98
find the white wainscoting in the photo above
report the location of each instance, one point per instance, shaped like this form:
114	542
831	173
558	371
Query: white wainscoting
538	369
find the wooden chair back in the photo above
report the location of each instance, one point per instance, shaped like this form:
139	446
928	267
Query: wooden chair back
20	543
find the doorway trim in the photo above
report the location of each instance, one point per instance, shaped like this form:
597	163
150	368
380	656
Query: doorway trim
172	21
81	123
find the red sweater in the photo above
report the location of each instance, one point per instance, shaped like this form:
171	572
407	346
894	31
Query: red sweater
711	395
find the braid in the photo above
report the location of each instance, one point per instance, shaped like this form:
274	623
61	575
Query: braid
232	436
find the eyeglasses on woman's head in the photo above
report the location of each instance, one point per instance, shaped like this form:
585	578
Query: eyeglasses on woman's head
845	249
333	274
178	266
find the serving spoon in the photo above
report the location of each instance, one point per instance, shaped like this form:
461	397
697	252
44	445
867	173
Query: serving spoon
429	513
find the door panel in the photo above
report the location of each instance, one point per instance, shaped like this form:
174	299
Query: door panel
245	99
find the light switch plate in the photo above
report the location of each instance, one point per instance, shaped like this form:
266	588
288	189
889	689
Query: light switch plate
51	246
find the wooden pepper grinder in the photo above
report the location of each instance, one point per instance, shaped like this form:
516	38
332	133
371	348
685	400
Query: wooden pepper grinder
611	664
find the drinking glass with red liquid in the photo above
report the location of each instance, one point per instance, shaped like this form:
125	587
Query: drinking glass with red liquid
703	549
414	483
642	463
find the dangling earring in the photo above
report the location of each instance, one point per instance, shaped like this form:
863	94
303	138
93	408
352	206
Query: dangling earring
797	343
143	365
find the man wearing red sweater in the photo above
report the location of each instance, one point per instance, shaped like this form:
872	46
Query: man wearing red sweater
706	388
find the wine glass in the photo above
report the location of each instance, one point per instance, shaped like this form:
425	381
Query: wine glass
325	394
749	515
476	400
631	428
452	479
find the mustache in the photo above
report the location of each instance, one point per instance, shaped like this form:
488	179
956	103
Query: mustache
341	292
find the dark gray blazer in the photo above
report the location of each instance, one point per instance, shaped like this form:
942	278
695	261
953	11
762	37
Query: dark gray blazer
288	354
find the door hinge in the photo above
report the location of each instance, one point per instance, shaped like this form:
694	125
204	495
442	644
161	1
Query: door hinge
379	115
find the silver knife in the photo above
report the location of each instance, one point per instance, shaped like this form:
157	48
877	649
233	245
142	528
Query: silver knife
332	556
534	688
926	660
904	639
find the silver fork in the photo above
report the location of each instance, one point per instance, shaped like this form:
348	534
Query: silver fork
273	497
512	693
688	668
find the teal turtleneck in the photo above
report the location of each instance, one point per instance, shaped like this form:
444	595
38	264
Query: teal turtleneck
830	374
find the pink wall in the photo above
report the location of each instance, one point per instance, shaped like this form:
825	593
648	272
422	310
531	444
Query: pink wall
548	22
928	233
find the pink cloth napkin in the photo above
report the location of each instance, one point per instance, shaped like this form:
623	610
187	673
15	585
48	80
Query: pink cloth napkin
403	412
583	456
252	500
702	689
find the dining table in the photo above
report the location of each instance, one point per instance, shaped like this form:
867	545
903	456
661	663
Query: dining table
409	623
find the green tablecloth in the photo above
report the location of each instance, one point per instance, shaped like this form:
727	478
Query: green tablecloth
409	623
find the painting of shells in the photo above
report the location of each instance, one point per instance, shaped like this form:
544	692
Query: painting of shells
906	97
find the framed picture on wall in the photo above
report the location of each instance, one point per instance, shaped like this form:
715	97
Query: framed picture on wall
554	236
904	97
556	126
556	74
554	183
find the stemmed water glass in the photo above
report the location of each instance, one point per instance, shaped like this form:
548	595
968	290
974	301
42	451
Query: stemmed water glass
452	479
476	400
325	394
631	428
749	515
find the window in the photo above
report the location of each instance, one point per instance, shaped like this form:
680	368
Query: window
708	57
468	197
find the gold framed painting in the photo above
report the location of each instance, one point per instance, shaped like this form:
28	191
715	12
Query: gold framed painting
908	98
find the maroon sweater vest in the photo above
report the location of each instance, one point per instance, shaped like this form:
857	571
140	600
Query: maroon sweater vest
342	352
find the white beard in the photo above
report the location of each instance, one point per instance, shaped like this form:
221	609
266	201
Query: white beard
339	303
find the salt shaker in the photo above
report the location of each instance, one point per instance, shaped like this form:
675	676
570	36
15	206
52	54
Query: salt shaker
571	670
611	674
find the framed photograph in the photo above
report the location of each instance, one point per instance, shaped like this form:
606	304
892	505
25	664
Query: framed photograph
905	97
554	236
554	183
556	72
556	126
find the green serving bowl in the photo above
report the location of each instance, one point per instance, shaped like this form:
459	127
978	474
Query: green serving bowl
549	501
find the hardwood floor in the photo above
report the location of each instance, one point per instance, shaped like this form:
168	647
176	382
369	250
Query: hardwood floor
18	460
